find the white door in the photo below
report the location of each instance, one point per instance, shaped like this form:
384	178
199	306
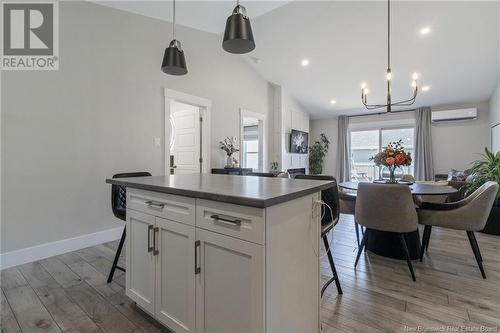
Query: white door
140	261
229	285
186	136
175	276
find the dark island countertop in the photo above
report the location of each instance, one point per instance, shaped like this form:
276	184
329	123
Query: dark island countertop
251	191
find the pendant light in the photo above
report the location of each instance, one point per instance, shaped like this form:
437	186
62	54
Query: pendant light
238	37
174	62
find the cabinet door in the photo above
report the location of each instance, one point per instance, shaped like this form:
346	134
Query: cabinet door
140	270
229	285
175	276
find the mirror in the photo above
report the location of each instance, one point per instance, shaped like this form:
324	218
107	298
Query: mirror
252	140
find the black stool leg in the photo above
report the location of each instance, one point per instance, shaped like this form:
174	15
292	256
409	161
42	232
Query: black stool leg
477	253
332	266
117	256
402	240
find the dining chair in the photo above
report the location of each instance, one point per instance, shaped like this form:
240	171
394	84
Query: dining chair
469	214
329	219
386	207
348	206
119	208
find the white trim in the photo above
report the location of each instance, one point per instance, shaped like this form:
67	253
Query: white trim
205	113
38	252
263	144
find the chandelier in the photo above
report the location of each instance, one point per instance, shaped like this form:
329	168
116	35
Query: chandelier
389	103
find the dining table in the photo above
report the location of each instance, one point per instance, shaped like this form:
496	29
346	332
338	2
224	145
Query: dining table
387	243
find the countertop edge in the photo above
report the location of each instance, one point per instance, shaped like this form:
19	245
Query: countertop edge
243	201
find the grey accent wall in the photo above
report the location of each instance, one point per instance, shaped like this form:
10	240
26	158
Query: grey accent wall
64	132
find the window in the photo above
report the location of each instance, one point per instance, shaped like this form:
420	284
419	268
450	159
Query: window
365	144
251	154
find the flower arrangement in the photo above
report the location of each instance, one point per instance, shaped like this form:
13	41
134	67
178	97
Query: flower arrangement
229	145
392	156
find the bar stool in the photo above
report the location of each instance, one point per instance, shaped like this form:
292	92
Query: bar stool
119	207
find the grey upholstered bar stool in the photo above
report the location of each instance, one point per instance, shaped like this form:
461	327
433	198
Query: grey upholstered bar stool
469	214
386	207
348	206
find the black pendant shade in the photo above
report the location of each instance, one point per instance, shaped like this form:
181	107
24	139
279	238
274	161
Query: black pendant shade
238	37
174	62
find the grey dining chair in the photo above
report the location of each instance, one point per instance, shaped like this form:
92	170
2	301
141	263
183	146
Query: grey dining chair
386	207
348	206
469	214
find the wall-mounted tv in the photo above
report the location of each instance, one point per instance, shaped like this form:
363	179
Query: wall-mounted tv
298	142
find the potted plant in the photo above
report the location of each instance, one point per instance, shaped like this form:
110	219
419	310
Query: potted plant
483	170
228	145
317	153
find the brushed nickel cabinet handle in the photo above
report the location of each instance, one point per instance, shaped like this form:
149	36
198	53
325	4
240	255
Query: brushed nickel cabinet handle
155	244
155	204
197	269
150	228
227	221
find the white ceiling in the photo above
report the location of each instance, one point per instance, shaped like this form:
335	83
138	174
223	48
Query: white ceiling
345	42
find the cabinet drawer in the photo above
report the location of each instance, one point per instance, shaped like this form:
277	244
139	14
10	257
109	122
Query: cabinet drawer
242	222
172	207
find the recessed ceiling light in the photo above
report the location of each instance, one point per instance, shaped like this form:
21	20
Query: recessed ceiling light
425	30
332	101
305	62
426	88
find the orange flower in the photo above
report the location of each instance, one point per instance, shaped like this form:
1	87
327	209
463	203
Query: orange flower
389	160
399	159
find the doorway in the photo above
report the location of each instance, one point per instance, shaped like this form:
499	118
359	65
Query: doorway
186	132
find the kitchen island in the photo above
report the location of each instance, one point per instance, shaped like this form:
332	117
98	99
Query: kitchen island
217	253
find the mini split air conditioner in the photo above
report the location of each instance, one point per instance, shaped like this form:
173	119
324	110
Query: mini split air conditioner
454	115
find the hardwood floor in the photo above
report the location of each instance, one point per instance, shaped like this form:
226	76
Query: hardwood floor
69	293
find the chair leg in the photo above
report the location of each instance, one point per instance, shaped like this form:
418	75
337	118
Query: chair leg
360	248
365	235
402	240
428	238
477	246
332	266
117	256
477	254
425	240
356	226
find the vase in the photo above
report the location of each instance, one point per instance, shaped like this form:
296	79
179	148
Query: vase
390	177
229	161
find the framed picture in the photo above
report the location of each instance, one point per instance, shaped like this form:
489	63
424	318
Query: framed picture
299	142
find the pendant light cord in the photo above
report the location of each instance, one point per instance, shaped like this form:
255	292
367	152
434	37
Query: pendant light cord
388	33
173	23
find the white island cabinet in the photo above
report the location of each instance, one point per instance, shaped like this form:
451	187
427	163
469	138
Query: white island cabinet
199	263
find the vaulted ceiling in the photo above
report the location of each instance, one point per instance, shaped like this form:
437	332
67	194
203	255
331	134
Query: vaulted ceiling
345	44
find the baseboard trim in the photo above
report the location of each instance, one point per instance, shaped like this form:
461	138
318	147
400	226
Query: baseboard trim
30	254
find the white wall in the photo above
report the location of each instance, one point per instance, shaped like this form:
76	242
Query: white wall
64	132
455	144
329	127
495	106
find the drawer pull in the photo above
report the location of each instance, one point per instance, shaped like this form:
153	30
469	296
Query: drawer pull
155	204
227	221
150	228
155	245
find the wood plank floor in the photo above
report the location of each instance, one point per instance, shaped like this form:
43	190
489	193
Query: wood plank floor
69	293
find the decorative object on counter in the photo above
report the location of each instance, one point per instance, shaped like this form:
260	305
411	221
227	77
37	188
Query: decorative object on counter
238	36
482	171
393	157
228	145
174	62
298	142
317	153
275	167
